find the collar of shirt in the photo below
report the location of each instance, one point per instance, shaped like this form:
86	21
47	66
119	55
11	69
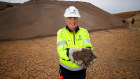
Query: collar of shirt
76	30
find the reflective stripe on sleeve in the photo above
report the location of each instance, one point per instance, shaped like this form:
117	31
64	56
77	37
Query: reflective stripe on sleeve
86	41
69	68
61	43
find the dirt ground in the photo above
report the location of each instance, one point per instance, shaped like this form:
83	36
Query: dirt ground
118	56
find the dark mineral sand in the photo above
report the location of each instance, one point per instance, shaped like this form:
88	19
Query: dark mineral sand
85	55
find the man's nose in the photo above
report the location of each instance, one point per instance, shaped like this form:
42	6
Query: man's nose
72	19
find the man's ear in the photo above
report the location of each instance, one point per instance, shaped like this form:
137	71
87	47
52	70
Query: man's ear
65	20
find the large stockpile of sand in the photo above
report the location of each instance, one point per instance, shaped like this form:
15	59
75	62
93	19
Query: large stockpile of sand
5	5
42	18
136	22
132	19
126	15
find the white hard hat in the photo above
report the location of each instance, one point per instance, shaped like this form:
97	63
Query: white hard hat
71	12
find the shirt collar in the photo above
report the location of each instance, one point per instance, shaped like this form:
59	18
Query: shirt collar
76	30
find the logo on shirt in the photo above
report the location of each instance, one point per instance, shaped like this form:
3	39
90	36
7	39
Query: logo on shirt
79	37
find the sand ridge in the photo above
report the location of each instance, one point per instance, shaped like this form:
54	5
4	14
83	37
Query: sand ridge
44	18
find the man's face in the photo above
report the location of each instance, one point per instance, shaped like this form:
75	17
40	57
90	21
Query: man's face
72	22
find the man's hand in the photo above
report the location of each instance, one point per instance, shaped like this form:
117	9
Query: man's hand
80	63
71	51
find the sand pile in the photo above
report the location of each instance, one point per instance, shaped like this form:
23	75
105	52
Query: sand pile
2	5
85	55
126	15
136	22
5	5
42	18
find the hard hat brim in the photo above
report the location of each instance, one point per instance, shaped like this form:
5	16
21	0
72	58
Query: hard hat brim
72	16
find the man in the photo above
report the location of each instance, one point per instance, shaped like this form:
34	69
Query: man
69	37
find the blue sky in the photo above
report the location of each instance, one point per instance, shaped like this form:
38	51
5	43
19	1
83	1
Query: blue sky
111	6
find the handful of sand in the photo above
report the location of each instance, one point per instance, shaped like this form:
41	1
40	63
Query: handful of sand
86	56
